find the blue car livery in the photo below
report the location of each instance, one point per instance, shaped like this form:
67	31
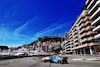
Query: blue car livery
55	59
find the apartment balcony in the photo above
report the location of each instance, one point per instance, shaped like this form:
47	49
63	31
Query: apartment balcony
68	42
81	46
96	28
84	40
76	39
71	42
94	43
81	21
71	45
92	10
95	14
68	51
75	36
76	43
88	22
88	28
90	33
84	34
70	34
85	14
71	39
96	21
86	18
74	29
91	4
86	45
75	32
91	39
68	46
82	25
88	1
84	29
97	36
87	39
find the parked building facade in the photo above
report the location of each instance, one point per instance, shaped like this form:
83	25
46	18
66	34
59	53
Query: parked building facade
82	35
94	11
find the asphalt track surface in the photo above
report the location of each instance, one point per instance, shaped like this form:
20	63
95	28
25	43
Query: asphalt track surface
35	62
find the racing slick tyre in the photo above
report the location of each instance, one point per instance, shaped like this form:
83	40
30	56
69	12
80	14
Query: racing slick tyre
51	61
61	62
45	60
66	61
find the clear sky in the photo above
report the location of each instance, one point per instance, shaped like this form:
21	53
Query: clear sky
23	21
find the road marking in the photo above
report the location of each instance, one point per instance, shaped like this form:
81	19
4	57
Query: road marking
85	59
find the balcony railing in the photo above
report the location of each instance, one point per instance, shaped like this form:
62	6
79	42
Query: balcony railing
76	43
96	21
84	34
96	28
74	29
89	28
95	14
86	18
94	43
68	51
75	36
97	36
81	21
82	25
91	4
82	30
86	45
85	14
87	39
90	33
88	1
75	32
68	46
94	7
70	37
76	39
71	42
71	45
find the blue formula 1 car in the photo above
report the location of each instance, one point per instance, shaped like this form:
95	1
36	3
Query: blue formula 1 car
58	59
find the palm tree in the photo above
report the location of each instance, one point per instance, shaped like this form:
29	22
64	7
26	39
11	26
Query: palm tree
84	7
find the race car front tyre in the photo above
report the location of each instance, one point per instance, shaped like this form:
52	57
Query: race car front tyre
45	60
51	61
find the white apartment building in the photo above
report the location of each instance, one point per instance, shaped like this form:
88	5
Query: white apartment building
94	10
82	35
69	47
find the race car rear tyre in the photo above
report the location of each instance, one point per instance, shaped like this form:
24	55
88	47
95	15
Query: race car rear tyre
61	62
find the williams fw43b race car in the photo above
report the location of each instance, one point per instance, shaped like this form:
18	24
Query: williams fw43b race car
55	59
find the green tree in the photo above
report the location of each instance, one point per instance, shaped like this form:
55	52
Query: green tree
84	7
58	50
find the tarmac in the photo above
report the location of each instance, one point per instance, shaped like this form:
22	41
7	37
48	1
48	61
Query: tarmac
87	57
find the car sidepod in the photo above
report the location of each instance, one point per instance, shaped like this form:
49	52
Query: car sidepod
56	59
